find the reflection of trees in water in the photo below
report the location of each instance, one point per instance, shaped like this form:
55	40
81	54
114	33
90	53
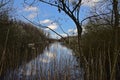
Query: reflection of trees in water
56	62
13	61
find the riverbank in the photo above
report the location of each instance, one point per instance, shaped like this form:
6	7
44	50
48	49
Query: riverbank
13	60
19	43
97	56
57	62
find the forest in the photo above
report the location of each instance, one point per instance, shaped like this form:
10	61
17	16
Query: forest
28	51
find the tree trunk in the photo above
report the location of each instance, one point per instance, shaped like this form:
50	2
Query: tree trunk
115	36
116	22
82	58
79	31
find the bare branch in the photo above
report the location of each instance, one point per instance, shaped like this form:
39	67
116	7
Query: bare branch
66	8
94	16
78	5
44	27
3	4
25	1
64	31
50	3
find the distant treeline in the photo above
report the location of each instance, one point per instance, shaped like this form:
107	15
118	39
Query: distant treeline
97	47
18	42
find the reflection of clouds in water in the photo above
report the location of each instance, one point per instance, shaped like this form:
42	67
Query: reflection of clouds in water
50	55
62	49
68	51
44	60
28	70
56	57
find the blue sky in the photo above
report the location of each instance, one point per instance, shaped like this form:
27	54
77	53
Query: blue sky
49	16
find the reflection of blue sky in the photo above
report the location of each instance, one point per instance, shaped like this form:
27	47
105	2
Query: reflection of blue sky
56	57
48	57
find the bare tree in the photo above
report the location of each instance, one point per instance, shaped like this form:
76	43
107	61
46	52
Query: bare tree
112	19
71	8
3	3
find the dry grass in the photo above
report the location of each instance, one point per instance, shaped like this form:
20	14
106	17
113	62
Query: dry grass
58	65
100	62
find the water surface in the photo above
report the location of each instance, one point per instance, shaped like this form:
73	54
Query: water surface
57	62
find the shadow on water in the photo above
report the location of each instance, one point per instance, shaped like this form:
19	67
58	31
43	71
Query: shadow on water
56	63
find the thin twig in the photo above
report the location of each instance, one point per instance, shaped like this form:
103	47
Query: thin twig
44	27
94	16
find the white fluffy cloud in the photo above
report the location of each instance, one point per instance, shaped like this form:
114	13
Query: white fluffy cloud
46	21
64	35
49	23
71	31
32	11
31	8
89	3
32	15
58	37
75	30
53	26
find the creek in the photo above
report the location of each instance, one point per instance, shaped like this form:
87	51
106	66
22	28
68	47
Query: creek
57	62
